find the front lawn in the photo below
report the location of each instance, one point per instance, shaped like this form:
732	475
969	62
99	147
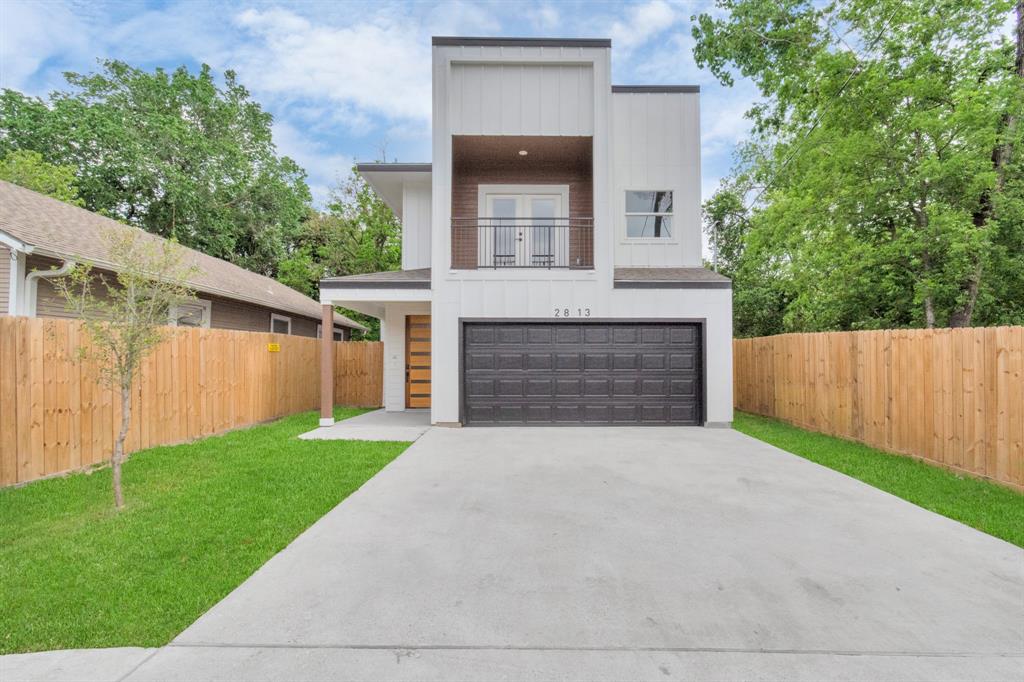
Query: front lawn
200	519
989	507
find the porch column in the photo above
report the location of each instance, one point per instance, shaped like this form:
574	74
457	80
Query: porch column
327	366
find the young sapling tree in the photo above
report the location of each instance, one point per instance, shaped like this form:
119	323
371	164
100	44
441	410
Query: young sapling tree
125	315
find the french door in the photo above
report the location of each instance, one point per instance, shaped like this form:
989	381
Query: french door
523	230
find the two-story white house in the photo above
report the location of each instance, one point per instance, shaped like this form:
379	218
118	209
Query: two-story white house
551	256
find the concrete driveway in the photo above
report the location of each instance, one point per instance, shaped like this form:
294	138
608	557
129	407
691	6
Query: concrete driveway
616	553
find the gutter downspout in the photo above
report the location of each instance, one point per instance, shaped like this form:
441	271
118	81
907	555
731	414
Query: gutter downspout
32	284
16	279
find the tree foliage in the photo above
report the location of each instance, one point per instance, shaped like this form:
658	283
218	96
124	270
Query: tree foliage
185	158
357	234
171	152
882	183
28	169
125	314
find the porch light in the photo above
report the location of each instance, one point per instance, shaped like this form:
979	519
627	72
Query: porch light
523	152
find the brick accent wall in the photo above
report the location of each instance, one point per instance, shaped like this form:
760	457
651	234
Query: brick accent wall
469	175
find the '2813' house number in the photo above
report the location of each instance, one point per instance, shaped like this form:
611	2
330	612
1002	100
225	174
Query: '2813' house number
572	312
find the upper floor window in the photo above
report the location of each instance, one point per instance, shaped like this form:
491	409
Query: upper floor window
648	214
339	332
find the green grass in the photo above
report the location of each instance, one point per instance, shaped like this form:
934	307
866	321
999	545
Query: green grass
989	507
200	518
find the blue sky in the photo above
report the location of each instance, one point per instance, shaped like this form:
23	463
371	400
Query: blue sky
346	79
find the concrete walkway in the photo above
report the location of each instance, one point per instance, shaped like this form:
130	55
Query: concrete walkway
376	425
600	554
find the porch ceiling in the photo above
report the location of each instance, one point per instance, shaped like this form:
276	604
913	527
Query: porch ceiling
501	152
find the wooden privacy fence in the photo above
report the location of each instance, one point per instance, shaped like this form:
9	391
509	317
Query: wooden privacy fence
55	416
953	397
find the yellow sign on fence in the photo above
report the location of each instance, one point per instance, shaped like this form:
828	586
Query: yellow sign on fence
274	347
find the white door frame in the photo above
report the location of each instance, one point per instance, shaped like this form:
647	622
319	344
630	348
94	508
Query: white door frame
523	195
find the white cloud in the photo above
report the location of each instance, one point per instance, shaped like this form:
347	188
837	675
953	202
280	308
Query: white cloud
324	166
723	124
164	35
32	33
374	68
642	23
458	18
546	17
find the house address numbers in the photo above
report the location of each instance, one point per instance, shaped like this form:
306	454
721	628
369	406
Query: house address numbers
572	312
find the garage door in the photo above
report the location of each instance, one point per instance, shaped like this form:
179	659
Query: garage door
581	373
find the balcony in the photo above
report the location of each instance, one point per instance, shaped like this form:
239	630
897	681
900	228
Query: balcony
543	243
522	202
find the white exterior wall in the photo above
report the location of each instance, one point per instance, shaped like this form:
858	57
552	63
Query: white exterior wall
656	146
415	226
640	141
521	98
532	297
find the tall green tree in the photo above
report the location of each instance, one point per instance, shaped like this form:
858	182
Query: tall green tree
357	233
172	152
28	169
883	173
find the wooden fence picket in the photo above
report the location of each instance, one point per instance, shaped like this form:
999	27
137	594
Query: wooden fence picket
56	416
952	397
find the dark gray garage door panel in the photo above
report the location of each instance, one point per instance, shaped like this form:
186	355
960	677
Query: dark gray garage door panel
590	373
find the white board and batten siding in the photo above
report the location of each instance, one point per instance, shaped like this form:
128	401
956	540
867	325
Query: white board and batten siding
415	226
641	141
537	297
521	99
656	146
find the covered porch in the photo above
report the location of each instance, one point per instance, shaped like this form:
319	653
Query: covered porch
401	301
379	425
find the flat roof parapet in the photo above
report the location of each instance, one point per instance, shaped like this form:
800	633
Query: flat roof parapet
457	41
655	88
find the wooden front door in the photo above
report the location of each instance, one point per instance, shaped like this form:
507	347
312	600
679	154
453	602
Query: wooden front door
417	361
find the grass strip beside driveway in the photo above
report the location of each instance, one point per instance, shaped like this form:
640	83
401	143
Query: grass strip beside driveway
989	507
200	519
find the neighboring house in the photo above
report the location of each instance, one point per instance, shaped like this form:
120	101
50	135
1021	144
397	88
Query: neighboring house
552	269
39	236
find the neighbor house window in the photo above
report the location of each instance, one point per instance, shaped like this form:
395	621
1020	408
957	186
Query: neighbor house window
191	314
339	332
648	214
279	324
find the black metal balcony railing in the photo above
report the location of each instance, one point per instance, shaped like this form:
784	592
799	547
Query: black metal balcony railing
522	242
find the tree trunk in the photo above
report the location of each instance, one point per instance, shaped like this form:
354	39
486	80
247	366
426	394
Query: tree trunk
961	317
118	457
929	313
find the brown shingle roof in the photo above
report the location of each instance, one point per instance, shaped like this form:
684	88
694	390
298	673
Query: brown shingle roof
670	278
390	279
54	228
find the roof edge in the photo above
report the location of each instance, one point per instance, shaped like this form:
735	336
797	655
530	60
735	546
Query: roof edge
198	288
15	244
374	284
635	89
470	41
393	167
670	284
